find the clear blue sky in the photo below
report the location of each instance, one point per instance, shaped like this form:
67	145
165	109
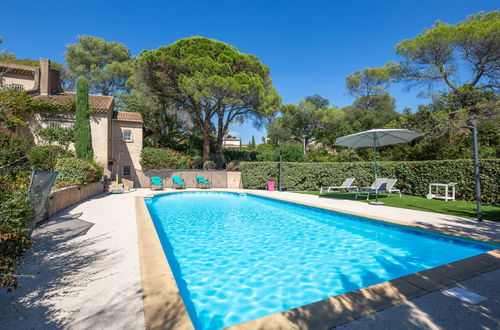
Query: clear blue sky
310	46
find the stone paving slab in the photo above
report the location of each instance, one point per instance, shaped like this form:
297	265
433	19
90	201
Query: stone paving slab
439	311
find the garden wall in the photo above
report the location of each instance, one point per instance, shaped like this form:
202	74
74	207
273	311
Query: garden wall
66	197
219	179
413	177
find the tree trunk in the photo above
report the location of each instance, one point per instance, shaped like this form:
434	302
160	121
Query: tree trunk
206	143
218	147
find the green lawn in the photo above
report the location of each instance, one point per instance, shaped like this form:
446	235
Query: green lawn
458	208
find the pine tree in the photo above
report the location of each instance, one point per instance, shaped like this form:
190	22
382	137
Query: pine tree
83	138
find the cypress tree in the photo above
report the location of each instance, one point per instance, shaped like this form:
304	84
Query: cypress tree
83	137
253	142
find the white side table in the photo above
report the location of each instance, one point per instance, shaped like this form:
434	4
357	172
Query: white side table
436	193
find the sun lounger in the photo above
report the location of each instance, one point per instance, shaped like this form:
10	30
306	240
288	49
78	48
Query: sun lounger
376	187
177	182
390	187
201	180
347	184
156	183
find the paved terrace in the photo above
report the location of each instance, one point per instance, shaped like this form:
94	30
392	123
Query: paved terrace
85	264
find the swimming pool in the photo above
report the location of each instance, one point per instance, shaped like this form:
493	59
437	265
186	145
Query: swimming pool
238	257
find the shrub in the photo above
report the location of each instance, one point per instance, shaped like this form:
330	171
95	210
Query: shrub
45	157
209	165
413	176
292	152
62	135
197	163
246	155
233	165
163	158
77	171
15	208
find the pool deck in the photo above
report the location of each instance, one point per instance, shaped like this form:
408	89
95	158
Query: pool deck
88	275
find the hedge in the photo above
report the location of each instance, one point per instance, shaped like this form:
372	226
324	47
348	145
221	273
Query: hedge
45	157
163	158
77	171
292	152
413	177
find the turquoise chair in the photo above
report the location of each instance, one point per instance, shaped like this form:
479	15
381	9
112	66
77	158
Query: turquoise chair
200	179
155	182
177	182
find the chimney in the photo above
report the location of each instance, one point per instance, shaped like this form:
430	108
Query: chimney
44	76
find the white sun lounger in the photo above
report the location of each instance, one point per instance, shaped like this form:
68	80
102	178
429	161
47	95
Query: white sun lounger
377	186
347	184
380	185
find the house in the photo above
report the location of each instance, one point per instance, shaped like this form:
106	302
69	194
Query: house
116	136
233	143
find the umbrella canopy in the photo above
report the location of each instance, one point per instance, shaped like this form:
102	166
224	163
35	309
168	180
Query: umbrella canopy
376	138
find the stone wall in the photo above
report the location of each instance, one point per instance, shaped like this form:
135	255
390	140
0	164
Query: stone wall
66	197
219	179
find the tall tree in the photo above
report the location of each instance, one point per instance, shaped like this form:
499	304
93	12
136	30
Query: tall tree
253	142
83	137
106	65
319	101
364	84
446	53
210	80
165	125
303	123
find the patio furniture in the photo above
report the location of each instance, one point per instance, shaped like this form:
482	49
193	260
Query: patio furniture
376	138
436	193
378	185
177	182
347	184
390	187
201	180
155	182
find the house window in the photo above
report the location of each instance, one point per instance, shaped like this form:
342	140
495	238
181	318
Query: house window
126	171
127	135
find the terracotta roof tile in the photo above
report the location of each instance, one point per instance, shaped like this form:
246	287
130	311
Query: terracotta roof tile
97	102
127	116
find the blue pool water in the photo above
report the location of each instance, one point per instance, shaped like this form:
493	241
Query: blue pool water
238	257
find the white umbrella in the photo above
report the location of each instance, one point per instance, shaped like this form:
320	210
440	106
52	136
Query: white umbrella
376	138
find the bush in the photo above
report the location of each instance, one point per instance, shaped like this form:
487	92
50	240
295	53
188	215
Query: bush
77	171
62	135
233	165
209	165
197	163
15	208
292	152
45	157
245	155
413	176
164	158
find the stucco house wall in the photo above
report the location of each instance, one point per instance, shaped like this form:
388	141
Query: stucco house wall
126	153
107	126
26	82
99	131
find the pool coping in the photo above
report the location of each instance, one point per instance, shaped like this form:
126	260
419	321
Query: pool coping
161	294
